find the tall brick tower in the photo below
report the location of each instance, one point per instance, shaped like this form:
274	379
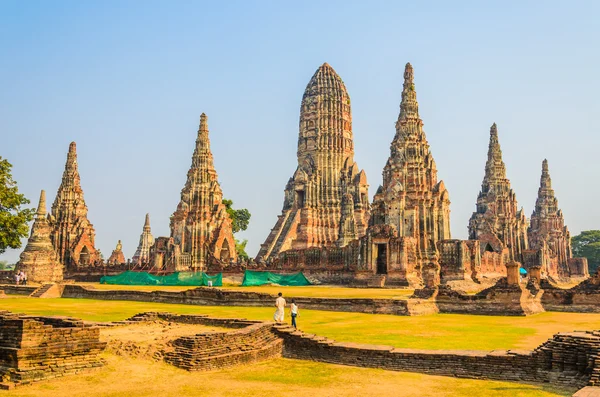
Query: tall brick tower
411	198
326	200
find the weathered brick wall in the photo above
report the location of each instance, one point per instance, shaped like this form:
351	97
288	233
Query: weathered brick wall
566	360
224	349
217	297
35	348
17	289
500	299
248	342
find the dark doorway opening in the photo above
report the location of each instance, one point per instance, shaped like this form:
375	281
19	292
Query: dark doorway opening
381	258
84	256
300	198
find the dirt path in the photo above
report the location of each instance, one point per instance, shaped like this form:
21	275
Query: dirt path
149	339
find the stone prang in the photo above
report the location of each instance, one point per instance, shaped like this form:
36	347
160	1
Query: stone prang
411	198
497	221
326	200
72	233
39	260
200	227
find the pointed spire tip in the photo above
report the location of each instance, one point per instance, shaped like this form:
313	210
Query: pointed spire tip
42	204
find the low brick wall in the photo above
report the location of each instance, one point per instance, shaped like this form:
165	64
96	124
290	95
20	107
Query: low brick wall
35	348
18	289
584	298
498	300
567	360
207	296
249	342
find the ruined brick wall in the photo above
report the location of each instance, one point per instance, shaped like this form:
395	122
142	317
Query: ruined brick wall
207	296
17	289
498	300
36	348
566	360
214	350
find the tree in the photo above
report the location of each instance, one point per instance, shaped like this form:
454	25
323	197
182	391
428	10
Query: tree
587	245
240	249
240	219
13	217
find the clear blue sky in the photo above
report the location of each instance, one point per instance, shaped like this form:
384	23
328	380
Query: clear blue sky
128	80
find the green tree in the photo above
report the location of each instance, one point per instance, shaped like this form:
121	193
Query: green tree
587	245
3	265
240	219
13	217
240	249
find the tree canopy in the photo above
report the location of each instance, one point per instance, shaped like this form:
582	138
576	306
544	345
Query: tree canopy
13	217
240	219
587	245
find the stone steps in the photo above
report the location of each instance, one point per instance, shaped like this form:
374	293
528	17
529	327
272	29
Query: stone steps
41	290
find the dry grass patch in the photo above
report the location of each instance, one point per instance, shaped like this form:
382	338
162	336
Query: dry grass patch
281	377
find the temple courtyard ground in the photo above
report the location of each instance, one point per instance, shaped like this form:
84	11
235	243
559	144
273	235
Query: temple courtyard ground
440	331
134	371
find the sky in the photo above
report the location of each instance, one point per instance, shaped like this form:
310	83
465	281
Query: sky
128	80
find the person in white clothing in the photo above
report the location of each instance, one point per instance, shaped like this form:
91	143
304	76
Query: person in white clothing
294	313
280	305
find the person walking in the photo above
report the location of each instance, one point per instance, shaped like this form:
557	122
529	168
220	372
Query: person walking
294	313
280	305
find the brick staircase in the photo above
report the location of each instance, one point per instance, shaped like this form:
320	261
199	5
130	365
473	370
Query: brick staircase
50	290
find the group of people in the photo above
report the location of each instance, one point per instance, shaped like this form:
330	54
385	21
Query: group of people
280	304
21	278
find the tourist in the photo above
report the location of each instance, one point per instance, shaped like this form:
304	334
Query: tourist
24	278
294	312
280	305
17	278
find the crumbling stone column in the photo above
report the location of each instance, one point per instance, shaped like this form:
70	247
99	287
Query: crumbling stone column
512	273
431	275
535	273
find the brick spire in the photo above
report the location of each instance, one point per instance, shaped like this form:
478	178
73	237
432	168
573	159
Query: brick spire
39	259
412	199
200	225
497	222
142	253
312	214
73	235
547	229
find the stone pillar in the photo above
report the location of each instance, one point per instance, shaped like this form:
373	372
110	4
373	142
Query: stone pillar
431	275
535	273
512	273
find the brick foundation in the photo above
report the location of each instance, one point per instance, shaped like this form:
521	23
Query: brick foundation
35	348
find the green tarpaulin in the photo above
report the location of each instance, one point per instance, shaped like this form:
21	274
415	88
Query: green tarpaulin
178	278
252	278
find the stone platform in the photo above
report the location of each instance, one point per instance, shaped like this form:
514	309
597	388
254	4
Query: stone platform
36	348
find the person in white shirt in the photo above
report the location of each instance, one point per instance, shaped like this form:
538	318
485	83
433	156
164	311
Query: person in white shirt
280	305
294	312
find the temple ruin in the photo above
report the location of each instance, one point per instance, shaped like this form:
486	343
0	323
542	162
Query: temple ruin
326	201
200	227
548	232
497	222
142	253
411	198
39	260
72	233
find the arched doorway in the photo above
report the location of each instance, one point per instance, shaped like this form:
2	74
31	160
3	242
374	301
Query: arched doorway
84	256
225	254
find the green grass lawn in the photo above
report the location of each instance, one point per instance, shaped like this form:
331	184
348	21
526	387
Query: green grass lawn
442	331
306	291
279	377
